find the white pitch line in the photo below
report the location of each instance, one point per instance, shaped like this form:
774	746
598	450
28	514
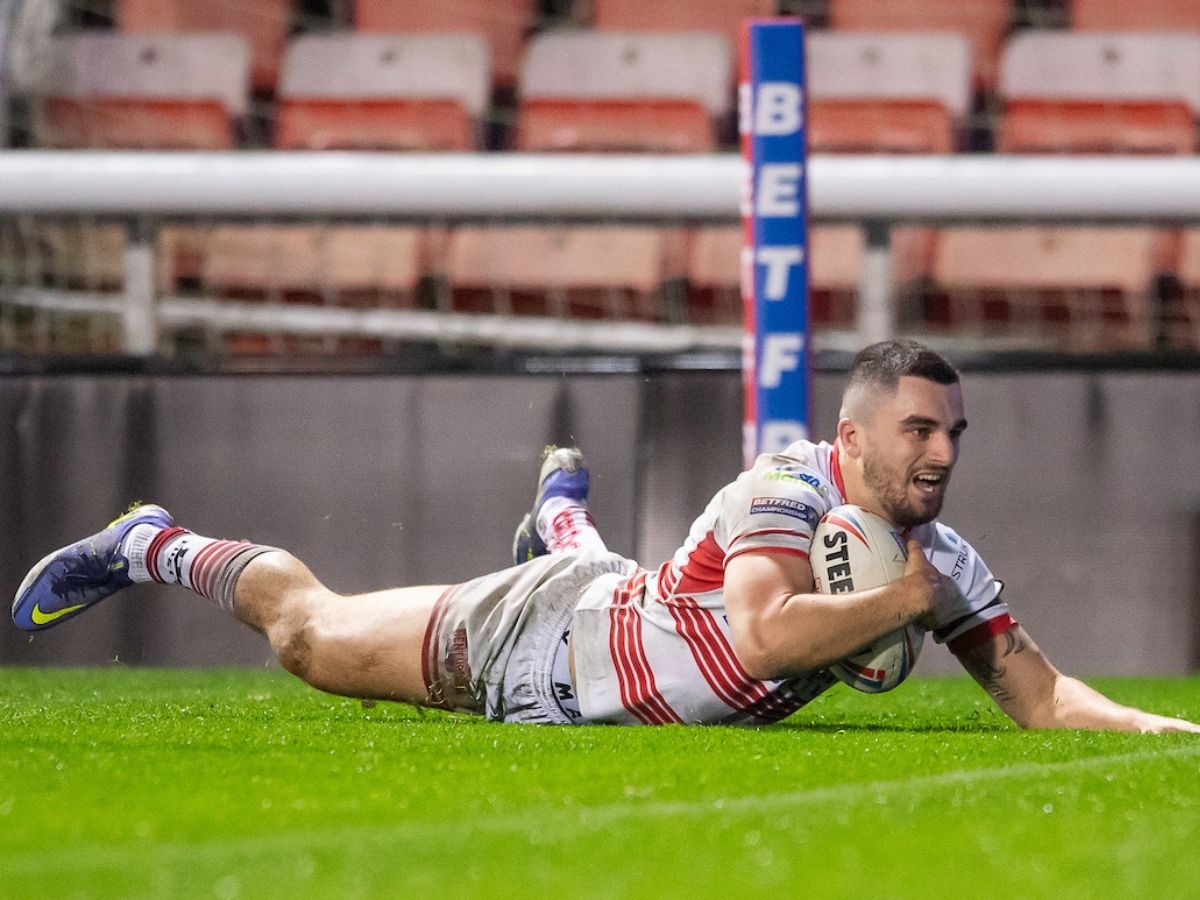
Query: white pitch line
560	821
849	792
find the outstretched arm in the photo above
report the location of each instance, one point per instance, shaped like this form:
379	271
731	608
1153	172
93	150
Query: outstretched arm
1034	694
782	627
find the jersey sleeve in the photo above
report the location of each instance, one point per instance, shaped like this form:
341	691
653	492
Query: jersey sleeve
982	614
774	509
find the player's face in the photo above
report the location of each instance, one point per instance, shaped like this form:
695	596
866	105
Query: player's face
909	447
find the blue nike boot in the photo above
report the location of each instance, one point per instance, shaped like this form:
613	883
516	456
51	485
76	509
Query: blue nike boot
562	475
80	575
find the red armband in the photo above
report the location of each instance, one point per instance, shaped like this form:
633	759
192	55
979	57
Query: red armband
981	633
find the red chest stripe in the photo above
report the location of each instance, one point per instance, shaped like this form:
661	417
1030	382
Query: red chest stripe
704	570
718	663
635	679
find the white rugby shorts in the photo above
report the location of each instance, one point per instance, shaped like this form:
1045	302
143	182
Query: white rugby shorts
491	642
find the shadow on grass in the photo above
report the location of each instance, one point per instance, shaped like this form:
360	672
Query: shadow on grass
876	727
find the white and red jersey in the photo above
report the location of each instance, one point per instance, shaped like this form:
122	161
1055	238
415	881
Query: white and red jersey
656	648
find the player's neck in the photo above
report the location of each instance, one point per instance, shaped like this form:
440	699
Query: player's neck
854	486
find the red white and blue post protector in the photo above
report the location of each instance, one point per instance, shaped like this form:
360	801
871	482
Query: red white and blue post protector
771	121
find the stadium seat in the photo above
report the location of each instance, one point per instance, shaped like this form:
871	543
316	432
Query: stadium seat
264	24
1076	93
117	91
721	16
602	92
578	271
1109	93
80	255
714	261
880	93
1086	287
1183	314
346	265
503	23
362	266
1135	15
623	91
360	92
377	92
714	275
983	22
887	93
366	266
167	92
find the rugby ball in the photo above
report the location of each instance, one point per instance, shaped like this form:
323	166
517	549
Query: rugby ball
855	550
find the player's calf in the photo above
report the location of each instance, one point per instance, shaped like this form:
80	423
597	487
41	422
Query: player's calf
142	545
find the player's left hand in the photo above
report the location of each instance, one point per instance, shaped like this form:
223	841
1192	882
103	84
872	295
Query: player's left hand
1152	724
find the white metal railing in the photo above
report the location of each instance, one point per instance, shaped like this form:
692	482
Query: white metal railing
874	190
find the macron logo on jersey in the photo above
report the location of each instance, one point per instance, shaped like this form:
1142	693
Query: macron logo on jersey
792	475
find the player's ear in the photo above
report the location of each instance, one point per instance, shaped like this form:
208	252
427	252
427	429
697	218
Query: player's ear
848	435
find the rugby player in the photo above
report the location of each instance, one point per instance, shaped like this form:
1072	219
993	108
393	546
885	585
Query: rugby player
730	630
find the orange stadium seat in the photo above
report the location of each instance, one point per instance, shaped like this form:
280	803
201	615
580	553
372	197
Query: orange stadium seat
879	93
624	91
366	266
1183	315
1096	126
579	271
1088	287
1107	93
502	23
348	265
887	93
1135	15
714	271
605	92
117	91
1077	93
377	92
836	253
80	255
361	266
360	92
167	92
720	16
714	261
264	24
983	22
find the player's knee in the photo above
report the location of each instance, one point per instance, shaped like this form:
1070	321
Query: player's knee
294	643
312	652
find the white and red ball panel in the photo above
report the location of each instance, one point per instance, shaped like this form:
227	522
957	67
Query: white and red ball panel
856	550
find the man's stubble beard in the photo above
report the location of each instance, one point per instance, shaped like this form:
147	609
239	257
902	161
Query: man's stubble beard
893	497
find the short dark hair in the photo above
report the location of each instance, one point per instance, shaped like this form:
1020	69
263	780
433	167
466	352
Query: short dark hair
883	364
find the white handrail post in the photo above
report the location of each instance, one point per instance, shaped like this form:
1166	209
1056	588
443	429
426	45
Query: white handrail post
876	306
139	315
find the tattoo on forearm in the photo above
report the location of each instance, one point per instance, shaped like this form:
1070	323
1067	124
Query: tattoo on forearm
1016	641
990	672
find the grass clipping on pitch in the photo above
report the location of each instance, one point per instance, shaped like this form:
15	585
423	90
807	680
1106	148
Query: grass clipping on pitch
151	783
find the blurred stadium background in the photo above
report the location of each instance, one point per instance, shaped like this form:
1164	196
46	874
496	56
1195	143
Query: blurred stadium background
371	391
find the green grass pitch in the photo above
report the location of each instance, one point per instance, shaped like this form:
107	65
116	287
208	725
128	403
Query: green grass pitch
152	783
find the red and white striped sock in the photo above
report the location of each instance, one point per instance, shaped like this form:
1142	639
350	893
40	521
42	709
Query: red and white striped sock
208	566
567	525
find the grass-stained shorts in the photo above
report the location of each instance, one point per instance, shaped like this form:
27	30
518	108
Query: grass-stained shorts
491	642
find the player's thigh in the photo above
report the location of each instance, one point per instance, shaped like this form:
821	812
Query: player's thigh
370	645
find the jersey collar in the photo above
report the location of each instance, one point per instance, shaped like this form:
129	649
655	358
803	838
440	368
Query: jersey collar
835	468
